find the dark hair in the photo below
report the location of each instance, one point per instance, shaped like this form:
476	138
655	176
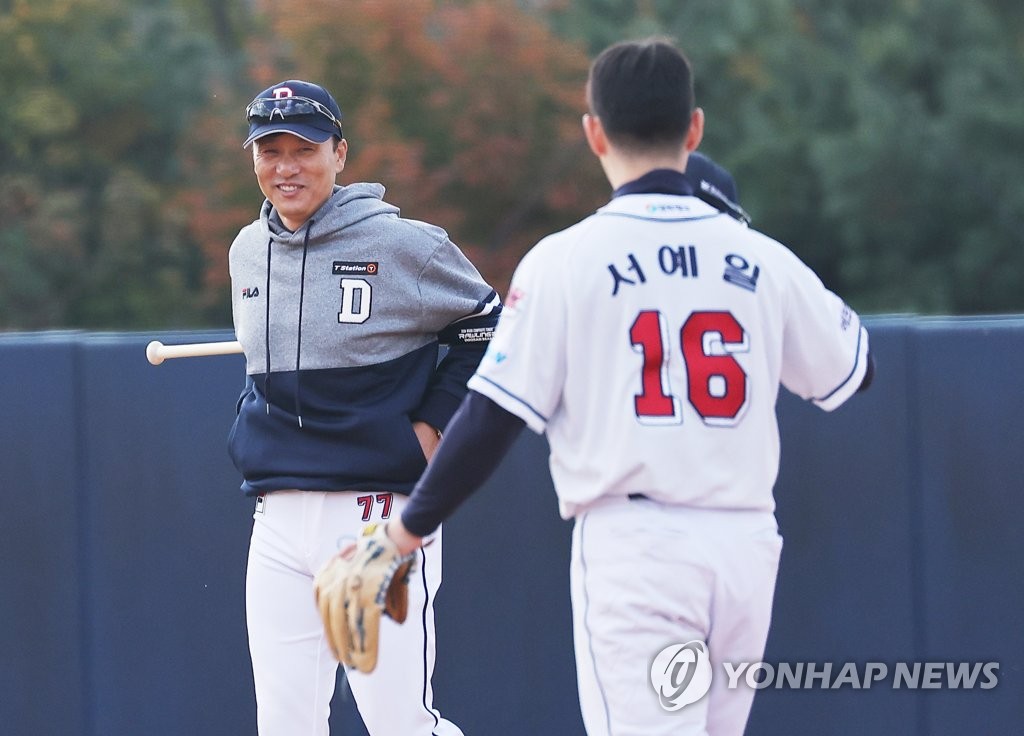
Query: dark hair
642	91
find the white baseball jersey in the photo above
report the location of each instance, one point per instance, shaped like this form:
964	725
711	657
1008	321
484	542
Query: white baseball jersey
649	342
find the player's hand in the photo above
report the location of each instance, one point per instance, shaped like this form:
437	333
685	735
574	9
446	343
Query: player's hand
429	438
353	589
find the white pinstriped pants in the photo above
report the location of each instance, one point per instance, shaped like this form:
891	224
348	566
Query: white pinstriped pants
294	533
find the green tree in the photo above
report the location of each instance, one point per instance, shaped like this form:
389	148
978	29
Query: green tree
99	92
881	141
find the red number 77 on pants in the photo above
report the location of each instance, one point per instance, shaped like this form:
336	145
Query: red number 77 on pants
384	499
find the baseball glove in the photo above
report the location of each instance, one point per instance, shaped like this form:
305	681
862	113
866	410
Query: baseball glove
354	588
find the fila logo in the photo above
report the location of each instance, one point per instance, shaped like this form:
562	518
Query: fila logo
250	292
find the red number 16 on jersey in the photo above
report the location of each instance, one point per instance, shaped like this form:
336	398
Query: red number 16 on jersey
716	383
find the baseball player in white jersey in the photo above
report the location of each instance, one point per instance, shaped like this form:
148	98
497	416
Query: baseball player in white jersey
648	342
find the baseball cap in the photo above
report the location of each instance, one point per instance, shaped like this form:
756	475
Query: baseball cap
293	106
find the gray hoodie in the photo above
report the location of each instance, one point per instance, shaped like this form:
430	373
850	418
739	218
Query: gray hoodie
341	323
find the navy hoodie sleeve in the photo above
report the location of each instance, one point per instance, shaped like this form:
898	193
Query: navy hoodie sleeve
480	436
446	281
448	385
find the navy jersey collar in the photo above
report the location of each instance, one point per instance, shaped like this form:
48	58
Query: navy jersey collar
658	181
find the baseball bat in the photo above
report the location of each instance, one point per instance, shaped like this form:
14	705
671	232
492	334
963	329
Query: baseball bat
157	352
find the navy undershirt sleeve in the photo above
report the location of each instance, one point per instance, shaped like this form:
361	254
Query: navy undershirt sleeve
476	440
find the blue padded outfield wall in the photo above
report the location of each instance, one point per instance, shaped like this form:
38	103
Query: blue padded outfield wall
124	539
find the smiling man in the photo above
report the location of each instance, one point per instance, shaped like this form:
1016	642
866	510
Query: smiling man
340	306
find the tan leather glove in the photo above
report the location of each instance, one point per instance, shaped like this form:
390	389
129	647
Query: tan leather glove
354	588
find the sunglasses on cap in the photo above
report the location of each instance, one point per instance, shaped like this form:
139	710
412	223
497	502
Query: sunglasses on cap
267	108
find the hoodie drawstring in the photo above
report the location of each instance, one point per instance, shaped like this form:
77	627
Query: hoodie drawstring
266	336
298	347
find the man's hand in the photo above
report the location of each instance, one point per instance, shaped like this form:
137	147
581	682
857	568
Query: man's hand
429	438
407	541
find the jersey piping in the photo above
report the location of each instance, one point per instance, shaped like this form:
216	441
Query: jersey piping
859	365
632	216
534	415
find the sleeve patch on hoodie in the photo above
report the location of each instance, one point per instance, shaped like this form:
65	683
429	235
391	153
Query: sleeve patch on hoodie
475	334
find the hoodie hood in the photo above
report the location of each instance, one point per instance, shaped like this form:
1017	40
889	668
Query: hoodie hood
346	206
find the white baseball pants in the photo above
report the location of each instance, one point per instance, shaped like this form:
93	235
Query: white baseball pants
294	533
645	576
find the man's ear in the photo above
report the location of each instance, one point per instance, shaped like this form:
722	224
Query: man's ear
594	132
696	131
340	156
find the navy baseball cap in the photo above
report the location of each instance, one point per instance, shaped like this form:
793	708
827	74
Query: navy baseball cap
293	106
